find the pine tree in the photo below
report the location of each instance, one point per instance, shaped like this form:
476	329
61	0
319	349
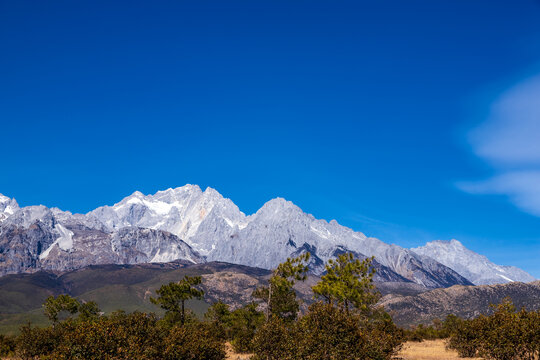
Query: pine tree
54	307
172	297
348	282
280	296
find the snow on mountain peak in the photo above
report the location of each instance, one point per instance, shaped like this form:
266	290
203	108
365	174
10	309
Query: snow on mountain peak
471	265
4	199
186	222
179	211
279	206
8	206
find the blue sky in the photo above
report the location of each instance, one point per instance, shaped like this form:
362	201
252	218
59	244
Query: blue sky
410	121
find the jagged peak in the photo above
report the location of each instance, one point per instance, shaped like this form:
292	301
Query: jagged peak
4	199
137	193
211	192
163	195
7	201
278	204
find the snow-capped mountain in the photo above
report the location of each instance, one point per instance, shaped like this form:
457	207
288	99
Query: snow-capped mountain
190	224
471	265
201	218
216	228
36	237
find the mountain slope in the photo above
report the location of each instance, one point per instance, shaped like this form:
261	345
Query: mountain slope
37	238
471	265
463	301
129	287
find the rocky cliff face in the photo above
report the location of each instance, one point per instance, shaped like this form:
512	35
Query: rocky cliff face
190	224
37	238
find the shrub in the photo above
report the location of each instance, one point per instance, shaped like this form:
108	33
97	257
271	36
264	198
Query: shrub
193	343
276	339
7	345
244	323
36	342
328	332
504	335
218	318
119	336
466	336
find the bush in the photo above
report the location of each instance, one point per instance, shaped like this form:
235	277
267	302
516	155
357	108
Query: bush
7	345
277	339
218	318
36	342
193	343
244	323
504	335
466	337
119	336
328	332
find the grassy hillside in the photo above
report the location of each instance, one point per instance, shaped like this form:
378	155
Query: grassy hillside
113	287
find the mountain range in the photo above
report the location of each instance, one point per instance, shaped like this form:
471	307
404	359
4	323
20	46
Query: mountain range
197	226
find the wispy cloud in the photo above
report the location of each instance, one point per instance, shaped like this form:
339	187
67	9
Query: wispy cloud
509	140
521	187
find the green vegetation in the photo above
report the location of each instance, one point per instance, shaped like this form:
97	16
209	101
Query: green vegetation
113	287
173	296
347	325
438	330
507	334
348	283
7	345
119	336
279	295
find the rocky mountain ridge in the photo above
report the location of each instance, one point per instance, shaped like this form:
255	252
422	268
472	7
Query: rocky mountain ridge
471	265
191	224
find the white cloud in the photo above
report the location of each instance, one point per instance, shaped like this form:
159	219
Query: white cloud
511	134
509	140
521	187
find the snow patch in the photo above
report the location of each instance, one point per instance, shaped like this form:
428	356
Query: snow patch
320	233
64	242
505	278
163	257
168	256
229	222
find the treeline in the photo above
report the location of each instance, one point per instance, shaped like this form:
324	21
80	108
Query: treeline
343	324
437	330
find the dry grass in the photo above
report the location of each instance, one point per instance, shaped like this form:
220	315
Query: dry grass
427	350
231	355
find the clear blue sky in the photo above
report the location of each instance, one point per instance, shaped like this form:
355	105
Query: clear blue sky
408	120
